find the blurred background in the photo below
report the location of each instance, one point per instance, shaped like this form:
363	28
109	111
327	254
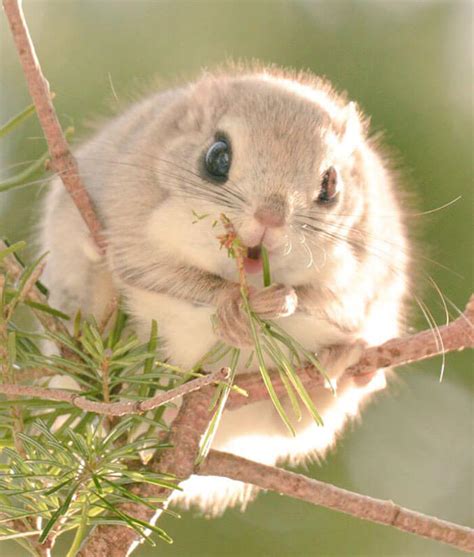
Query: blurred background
409	65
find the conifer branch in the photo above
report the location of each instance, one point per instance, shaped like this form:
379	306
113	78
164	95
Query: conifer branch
195	412
456	336
185	435
326	495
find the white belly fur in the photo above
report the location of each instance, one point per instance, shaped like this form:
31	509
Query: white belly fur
255	431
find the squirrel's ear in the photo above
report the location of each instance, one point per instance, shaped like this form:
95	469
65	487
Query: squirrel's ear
202	104
351	125
350	128
186	116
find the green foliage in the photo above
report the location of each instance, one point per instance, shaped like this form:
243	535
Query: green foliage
17	120
271	342
267	279
21	178
63	469
61	474
220	399
35	168
285	355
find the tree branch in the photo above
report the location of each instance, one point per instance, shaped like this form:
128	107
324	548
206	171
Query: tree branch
456	336
62	160
114	408
332	497
194	416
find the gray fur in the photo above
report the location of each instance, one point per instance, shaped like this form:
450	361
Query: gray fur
340	270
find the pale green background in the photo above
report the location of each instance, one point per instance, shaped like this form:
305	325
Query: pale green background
409	64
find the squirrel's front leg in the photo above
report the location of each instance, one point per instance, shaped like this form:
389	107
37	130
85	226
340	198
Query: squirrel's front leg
200	287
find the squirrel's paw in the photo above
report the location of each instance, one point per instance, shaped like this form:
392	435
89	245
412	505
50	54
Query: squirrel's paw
274	301
336	359
232	322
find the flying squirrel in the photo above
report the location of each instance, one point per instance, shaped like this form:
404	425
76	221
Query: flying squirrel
290	162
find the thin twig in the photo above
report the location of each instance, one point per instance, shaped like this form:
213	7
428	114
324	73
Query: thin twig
332	497
62	160
457	335
231	241
114	408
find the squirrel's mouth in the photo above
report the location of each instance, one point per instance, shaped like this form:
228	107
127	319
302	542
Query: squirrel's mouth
254	252
253	262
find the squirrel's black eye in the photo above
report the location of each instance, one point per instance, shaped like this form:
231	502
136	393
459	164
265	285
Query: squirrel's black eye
217	160
329	186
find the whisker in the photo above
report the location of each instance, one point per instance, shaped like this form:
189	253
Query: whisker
288	246
288	249
334	238
397	214
377	240
446	312
310	253
216	193
459	312
185	169
435	210
435	330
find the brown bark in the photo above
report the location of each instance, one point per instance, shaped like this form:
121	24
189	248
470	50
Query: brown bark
332	497
185	436
114	408
458	335
62	160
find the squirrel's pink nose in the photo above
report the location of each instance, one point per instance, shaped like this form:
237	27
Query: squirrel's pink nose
269	217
